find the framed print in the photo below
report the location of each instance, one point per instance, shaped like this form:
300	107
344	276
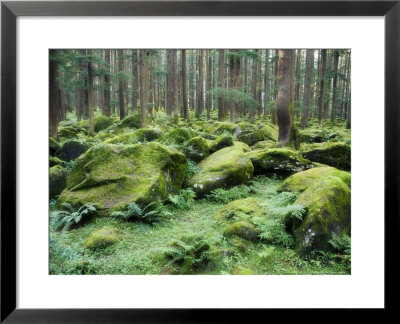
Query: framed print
192	142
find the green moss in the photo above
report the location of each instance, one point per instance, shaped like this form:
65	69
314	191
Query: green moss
179	136
242	229
312	135
220	142
115	175
227	167
196	149
302	180
57	180
239	270
242	146
138	136
71	150
219	128
102	237
294	137
337	155
56	161
250	137
240	209
132	121
67	132
278	161
262	145
328	211
246	126
53	145
270	132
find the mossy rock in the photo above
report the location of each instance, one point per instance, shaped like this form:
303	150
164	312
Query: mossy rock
224	168
67	132
139	136
312	135
103	237
71	150
239	243
239	270
337	155
53	161
244	230
250	137
278	161
53	145
262	145
196	149
102	136
132	121
220	142
112	176
300	181
219	128
247	127
57	180
179	136
241	209
328	207
270	132
242	146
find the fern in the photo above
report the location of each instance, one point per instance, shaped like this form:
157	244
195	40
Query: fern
184	199
226	195
341	244
151	213
67	219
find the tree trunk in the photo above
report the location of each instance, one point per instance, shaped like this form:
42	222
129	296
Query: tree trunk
170	82
334	87
90	94
266	82
143	86
83	68
307	87
283	98
121	96
184	87
175	88
53	111
200	94
297	85
221	78
321	87
135	80
107	97
208	84
254	89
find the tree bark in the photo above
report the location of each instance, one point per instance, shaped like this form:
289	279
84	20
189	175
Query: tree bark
208	84
266	82
200	93
143	86
107	97
334	87
321	87
184	86
307	87
170	83
91	102
53	110
221	81
135	80
121	96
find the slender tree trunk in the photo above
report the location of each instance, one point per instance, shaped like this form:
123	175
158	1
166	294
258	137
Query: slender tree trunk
283	98
221	81
297	85
91	102
321	87
334	87
135	80
208	84
175	88
170	82
254	89
83	69
307	87
266	82
121	96
107	98
53	110
184	87
200	94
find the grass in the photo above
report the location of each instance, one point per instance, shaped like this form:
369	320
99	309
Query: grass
141	242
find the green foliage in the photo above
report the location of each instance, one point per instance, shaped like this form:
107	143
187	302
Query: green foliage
233	95
192	169
341	244
67	219
151	213
186	255
184	199
221	195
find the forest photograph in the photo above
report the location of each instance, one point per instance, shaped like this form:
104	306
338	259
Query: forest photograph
199	161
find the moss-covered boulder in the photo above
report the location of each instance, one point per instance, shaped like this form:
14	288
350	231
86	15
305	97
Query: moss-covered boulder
242	229
337	155
247	127
239	270
262	145
241	209
115	175
71	150
242	146
53	146
300	181
328	211
196	149
179	136
56	161
100	122
138	136
102	237
57	180
220	142
278	161
270	132
250	137
132	121
312	135
227	167
67	132
219	128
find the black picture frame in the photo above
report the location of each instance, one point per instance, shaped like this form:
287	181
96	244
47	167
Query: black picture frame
11	10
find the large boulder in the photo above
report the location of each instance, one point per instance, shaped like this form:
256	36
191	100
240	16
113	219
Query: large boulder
196	149
100	122
312	135
132	121
242	229
262	145
278	161
71	150
102	237
302	180
241	209
219	128
139	136
68	132
57	180
115	175
328	207
337	155
270	132
178	136
53	146
227	167
220	142
250	137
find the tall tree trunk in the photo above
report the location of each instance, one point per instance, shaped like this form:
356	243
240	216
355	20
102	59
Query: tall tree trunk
283	98
184	87
321	87
143	85
83	69
107	97
135	79
121	96
53	110
231	87
200	94
236	85
266	82
208	84
307	87
334	87
221	82
254	89
170	83
175	88
91	102
297	85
